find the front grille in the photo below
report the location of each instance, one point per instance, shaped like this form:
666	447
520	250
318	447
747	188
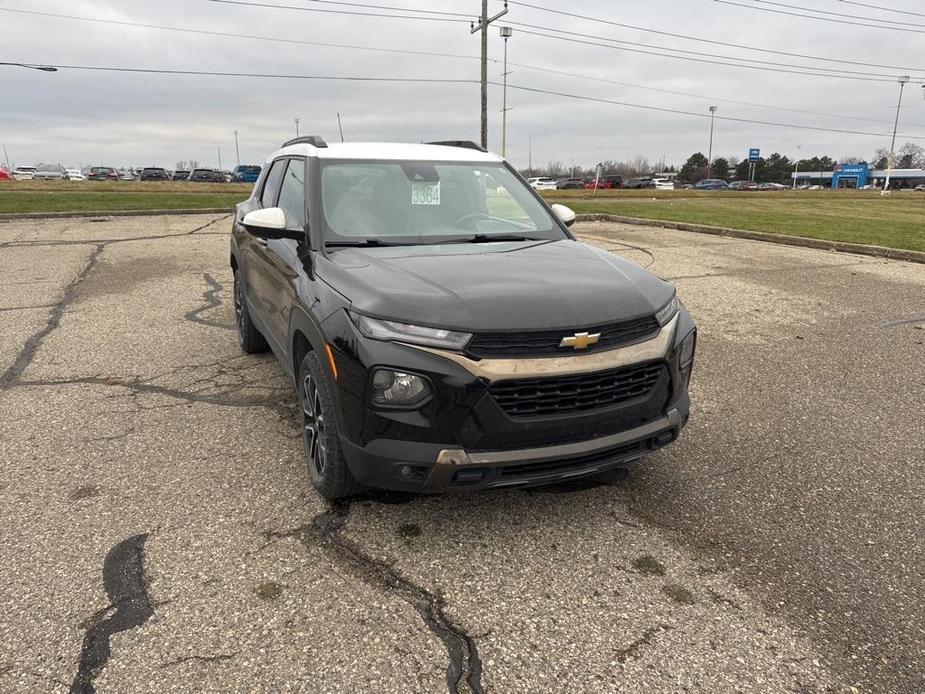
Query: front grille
564	394
546	342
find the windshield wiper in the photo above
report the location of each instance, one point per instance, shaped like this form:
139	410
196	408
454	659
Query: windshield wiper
371	242
493	238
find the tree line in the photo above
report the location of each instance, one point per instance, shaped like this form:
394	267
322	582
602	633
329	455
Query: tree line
775	168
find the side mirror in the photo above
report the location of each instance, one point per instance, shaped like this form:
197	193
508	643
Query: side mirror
565	214
270	223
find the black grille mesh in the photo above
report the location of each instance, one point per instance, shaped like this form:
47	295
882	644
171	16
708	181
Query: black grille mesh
560	395
528	344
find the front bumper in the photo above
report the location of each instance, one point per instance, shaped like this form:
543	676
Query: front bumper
461	439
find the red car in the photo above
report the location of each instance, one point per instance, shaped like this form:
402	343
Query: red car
5	175
607	183
102	173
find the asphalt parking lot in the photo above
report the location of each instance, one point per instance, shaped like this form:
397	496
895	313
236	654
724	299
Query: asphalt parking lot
159	533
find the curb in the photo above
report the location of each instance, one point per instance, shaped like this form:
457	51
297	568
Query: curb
112	213
780	239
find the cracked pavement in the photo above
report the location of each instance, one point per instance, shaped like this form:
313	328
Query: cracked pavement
160	534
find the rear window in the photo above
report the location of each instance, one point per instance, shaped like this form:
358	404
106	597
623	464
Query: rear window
249	169
154	171
100	169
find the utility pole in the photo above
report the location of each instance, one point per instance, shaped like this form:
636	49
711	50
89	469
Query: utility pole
710	155
237	151
530	158
296	127
889	162
340	127
219	158
484	22
506	33
7	157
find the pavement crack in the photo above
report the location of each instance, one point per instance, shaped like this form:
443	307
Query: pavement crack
632	650
27	353
464	669
124	580
210	296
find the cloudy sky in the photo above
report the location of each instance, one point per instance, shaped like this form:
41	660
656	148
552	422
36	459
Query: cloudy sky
90	117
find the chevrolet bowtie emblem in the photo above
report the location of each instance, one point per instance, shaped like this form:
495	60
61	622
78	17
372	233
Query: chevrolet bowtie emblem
580	340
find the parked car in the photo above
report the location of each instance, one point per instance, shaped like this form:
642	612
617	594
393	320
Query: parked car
920	188
570	184
711	184
427	369
181	175
743	185
74	175
541	183
102	173
245	173
5	175
153	173
49	173
637	183
24	173
606	183
663	183
207	176
772	186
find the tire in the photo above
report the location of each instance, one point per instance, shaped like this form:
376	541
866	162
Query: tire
324	459
250	339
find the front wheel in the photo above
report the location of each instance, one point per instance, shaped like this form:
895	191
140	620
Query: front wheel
250	339
324	459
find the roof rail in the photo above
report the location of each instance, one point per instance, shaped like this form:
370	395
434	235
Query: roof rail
465	144
313	140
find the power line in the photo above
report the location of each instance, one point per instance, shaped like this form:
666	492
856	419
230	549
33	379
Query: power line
885	78
821	19
661	109
209	73
881	8
423	80
837	72
466	15
840	14
382	15
225	34
548	70
726	44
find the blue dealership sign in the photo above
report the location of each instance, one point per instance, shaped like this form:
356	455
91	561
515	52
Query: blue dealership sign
754	154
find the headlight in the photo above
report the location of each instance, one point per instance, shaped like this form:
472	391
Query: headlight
398	388
665	315
415	334
687	349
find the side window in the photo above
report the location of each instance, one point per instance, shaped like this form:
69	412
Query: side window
292	194
271	187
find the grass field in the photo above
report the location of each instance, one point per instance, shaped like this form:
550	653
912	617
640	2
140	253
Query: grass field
103	196
897	221
853	216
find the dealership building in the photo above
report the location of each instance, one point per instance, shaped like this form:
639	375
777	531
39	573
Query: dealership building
858	176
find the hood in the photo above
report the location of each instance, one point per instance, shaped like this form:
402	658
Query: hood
501	286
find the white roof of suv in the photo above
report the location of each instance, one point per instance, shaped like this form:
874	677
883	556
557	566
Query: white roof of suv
388	151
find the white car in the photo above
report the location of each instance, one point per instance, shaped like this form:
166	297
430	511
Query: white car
74	175
48	175
24	173
663	183
541	183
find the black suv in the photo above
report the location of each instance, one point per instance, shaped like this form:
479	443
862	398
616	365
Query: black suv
152	173
443	328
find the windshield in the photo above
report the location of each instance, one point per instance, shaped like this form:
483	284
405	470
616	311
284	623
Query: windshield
429	203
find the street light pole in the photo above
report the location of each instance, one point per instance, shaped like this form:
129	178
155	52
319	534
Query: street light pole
237	151
484	21
710	154
506	33
297	127
889	162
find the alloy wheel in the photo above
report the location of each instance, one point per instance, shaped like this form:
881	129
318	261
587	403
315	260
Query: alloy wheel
313	423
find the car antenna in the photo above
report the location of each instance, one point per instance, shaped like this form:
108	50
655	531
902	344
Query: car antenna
340	127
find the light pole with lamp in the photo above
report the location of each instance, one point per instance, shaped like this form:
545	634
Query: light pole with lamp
797	169
889	162
237	151
710	152
506	33
297	120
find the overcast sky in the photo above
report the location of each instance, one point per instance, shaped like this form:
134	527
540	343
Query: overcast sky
79	117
